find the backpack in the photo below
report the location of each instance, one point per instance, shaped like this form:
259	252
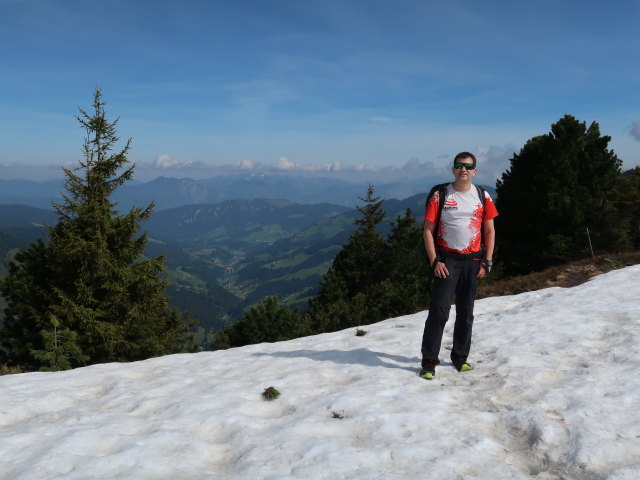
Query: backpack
441	188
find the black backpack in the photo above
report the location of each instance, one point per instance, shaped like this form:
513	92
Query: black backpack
442	189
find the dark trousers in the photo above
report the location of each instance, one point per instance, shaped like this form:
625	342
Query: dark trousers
463	282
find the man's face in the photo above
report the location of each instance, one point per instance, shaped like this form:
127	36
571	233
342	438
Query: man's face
463	169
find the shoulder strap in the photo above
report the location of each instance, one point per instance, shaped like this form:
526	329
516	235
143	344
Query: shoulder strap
483	199
441	188
481	195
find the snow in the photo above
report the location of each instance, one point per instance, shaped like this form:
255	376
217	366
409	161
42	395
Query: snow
554	394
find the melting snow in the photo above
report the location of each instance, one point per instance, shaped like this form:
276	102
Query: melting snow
554	394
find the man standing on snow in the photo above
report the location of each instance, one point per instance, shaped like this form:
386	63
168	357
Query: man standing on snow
453	236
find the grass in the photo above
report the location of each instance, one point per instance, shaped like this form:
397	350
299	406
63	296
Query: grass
270	393
7	370
320	269
267	234
287	262
180	277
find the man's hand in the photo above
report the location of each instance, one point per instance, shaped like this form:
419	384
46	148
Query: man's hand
484	271
440	270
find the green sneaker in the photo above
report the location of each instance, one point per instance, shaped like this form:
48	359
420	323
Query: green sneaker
427	374
465	367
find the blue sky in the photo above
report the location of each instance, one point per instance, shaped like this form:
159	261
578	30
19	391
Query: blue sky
348	87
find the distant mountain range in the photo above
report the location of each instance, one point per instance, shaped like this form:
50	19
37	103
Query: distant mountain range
175	192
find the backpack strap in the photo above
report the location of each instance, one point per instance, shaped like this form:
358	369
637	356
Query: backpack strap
483	199
481	195
441	188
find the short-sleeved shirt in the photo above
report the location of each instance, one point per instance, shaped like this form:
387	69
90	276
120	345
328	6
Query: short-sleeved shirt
461	219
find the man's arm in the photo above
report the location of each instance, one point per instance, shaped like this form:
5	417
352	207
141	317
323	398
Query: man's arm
429	244
489	238
489	243
440	269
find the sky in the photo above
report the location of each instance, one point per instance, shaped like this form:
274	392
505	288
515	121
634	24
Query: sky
206	87
554	394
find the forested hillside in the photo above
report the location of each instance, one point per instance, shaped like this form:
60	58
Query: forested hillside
222	258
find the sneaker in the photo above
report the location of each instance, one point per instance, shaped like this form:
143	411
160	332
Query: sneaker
428	371
427	374
465	367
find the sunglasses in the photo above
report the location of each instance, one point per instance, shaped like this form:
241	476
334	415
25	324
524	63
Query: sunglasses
468	166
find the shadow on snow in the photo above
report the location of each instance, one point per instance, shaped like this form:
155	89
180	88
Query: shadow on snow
361	356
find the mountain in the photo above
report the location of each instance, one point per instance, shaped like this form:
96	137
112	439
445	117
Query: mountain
23	216
292	267
224	257
19	226
259	248
29	192
175	192
171	192
553	395
244	223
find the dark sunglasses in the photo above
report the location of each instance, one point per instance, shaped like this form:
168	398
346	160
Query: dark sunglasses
468	166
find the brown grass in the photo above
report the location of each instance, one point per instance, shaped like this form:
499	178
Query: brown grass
7	370
568	275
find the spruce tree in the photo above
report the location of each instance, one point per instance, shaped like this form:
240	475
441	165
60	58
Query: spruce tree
362	261
342	300
407	286
97	298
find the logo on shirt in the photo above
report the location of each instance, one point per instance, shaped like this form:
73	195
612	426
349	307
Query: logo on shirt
450	204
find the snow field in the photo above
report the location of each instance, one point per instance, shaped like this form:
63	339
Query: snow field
554	395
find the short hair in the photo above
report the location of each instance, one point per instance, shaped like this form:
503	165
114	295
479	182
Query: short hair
462	155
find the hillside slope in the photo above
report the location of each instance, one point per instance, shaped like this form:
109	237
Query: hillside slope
554	395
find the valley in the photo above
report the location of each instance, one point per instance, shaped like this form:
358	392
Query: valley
224	257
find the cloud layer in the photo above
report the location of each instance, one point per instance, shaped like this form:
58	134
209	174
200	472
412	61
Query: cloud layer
492	161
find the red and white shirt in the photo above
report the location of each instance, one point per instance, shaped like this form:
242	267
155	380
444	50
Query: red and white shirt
461	219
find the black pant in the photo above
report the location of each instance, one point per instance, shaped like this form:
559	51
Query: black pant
463	282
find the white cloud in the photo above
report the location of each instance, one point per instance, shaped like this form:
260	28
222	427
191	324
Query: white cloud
245	165
414	164
283	163
334	167
635	130
165	161
363	167
493	161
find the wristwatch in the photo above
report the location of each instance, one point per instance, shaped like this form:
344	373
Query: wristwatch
487	262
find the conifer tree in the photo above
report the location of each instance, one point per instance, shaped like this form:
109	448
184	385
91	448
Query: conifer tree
557	187
96	299
267	321
362	261
624	212
342	300
407	286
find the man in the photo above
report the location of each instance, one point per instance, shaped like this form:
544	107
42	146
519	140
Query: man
454	247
